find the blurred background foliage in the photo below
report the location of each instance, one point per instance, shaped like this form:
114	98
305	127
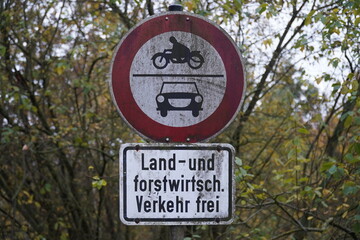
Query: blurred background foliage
297	136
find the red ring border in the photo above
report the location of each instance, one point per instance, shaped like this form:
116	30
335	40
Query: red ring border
120	78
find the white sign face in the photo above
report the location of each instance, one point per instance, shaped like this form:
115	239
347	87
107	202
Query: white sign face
177	79
176	184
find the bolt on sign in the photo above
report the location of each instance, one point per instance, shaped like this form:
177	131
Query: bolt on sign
176	184
177	77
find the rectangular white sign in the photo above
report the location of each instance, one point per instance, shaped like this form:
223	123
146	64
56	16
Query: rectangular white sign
167	184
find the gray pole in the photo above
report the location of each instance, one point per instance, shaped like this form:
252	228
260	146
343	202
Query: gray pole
175	7
176	232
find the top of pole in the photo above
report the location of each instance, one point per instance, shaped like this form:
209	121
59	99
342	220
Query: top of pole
175	7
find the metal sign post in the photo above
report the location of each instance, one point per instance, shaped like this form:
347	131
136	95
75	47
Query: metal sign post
177	78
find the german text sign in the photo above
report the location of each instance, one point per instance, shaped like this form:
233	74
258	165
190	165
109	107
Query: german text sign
176	184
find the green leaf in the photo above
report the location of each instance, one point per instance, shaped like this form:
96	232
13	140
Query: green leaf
230	9
350	189
318	193
296	141
357	121
238	4
355	148
303	130
345	115
291	153
340	172
47	187
334	62
243	172
324	204
336	86
238	161
304	179
350	158
332	170
262	8
2	50
356	227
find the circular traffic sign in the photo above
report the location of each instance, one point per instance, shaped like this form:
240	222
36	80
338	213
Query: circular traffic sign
176	77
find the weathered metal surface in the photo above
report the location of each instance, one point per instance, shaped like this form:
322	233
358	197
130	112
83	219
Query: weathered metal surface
146	81
177	77
176	184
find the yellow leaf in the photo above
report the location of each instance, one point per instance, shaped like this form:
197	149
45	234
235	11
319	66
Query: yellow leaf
326	192
308	17
355	85
357	21
267	42
318	80
348	121
190	6
297	168
24	228
59	70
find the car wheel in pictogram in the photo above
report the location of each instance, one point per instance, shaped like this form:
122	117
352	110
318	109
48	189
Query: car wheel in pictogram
163	113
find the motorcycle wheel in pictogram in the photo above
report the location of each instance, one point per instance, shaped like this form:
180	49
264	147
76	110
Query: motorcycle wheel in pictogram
196	60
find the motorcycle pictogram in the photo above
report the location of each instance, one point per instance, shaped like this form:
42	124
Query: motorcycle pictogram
178	54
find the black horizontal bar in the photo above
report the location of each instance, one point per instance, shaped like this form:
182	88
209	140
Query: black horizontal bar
178	75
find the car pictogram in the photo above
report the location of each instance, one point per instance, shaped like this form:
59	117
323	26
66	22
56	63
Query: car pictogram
179	96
